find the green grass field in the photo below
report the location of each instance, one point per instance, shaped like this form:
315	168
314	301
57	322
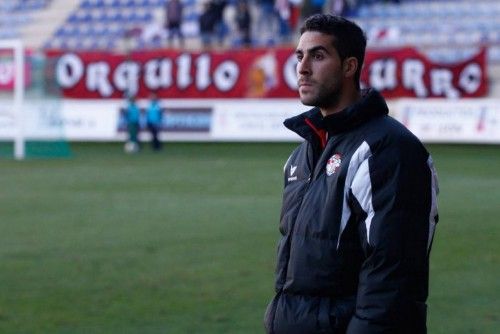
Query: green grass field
184	241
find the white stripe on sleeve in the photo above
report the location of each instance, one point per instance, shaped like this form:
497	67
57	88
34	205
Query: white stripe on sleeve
362	189
361	154
434	208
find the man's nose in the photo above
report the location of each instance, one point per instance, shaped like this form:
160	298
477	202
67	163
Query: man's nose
303	67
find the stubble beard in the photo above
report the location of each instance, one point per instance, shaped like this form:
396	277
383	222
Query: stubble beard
324	99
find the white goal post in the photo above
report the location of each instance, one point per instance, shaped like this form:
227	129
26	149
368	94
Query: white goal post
17	48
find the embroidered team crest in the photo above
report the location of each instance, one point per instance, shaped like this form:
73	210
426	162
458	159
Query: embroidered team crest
333	164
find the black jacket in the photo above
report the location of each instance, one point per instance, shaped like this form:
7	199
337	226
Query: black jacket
357	221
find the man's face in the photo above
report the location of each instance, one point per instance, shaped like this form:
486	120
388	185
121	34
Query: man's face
319	70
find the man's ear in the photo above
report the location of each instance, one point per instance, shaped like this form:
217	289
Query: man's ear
350	66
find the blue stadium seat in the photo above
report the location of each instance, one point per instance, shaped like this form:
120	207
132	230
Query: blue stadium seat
92	4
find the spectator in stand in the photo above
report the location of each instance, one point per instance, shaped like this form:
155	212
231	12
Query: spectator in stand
243	22
311	7
174	21
284	13
295	7
218	7
351	7
153	121
207	24
266	23
336	7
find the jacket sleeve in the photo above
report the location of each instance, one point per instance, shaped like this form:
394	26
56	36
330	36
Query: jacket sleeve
393	195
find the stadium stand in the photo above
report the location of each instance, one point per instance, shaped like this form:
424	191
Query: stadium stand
97	24
138	24
112	24
15	14
40	19
434	23
447	30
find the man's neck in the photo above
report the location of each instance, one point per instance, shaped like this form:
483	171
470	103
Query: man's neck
345	101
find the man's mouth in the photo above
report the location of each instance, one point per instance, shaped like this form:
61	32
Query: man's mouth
303	83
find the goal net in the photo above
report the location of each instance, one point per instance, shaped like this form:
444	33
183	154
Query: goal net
31	123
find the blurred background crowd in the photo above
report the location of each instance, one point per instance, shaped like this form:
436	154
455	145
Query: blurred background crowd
196	24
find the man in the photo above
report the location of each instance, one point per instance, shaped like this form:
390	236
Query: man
218	7
154	120
174	21
359	203
132	116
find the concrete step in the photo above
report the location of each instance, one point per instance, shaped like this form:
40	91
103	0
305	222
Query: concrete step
46	21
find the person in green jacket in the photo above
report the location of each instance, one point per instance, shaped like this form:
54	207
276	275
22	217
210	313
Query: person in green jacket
132	116
153	120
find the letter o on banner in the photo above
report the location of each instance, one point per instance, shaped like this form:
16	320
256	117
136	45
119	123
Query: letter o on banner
69	70
470	78
290	72
226	75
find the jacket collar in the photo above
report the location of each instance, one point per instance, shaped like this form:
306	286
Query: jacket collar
371	105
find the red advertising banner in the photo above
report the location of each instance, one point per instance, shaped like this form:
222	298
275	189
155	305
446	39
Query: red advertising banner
172	74
259	73
8	71
408	73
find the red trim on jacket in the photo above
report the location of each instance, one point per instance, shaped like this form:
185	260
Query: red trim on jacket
321	133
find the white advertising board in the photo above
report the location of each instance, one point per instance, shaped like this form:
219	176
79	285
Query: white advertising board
64	119
452	121
255	120
90	120
432	120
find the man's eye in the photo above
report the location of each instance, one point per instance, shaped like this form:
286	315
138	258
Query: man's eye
299	57
318	56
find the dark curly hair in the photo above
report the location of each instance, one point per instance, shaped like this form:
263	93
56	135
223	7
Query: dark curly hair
348	38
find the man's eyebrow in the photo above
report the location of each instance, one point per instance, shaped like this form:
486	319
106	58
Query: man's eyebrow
313	49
